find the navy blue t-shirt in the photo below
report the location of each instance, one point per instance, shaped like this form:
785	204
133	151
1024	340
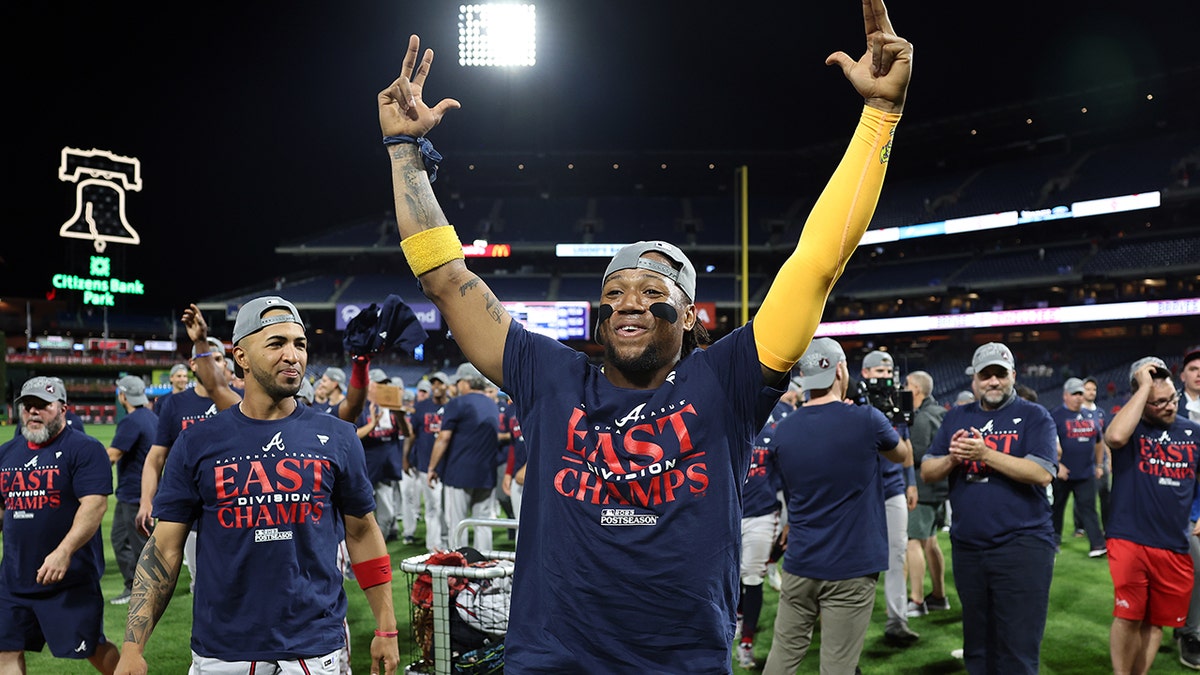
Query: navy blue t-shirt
426	423
134	436
40	488
1154	480
990	508
269	497
631	515
470	460
1078	432
760	496
383	445
832	473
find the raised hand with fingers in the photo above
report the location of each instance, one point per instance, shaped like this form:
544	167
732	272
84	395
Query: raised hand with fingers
402	110
882	73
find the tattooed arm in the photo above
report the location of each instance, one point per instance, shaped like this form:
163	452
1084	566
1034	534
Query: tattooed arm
475	316
153	585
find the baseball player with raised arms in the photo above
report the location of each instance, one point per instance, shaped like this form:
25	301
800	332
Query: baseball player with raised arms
631	517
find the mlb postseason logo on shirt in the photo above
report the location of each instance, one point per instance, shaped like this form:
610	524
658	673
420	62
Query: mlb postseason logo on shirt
625	517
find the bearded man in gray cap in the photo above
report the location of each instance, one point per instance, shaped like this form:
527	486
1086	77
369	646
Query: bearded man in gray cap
1000	454
54	487
632	506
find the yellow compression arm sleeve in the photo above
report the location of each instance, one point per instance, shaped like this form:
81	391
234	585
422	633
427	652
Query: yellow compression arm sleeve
791	311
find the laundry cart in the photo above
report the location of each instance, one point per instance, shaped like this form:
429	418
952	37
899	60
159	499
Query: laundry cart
432	625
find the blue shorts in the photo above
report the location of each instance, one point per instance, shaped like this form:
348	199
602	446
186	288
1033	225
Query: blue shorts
70	621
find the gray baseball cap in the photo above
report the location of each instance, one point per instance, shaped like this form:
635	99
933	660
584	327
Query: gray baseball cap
630	257
964	397
1073	386
471	374
440	377
134	389
49	389
818	365
1160	368
336	374
215	345
877	358
178	367
425	386
250	317
378	376
992	354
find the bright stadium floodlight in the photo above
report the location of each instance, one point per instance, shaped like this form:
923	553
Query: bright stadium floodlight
497	35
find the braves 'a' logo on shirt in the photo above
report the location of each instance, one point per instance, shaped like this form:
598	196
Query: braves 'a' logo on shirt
1167	458
189	420
275	442
651	461
271	489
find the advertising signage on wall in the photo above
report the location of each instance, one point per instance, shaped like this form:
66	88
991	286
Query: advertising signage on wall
427	314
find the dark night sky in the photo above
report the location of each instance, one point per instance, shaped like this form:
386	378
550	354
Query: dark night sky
255	123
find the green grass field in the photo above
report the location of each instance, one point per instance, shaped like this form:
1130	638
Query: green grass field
1076	638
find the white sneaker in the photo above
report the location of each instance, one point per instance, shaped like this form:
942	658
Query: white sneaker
745	655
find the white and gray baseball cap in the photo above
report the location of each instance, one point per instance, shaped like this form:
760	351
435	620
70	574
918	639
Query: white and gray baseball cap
49	389
1160	368
818	365
250	318
992	354
630	257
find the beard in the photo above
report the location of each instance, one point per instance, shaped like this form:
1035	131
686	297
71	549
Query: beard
994	398
47	431
648	360
271	386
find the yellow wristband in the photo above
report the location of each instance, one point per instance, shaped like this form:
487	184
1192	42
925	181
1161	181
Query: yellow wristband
430	249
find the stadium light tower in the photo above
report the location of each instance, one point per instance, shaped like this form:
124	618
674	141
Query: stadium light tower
502	34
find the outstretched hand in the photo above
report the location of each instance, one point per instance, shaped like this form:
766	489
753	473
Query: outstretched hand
402	111
882	73
193	320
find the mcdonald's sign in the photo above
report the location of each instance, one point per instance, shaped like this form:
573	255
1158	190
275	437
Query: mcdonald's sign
481	250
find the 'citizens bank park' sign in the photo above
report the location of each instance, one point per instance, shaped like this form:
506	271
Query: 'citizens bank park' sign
102	180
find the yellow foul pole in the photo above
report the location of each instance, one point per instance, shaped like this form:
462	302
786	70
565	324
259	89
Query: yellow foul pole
744	216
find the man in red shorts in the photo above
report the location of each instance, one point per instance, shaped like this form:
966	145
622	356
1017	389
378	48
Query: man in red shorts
1154	455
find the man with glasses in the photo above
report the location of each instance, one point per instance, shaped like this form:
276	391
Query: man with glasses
1154	455
1081	464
